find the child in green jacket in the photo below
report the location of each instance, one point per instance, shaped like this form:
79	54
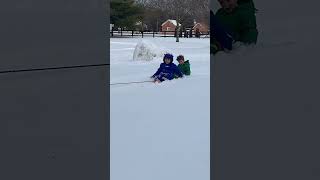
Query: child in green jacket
184	66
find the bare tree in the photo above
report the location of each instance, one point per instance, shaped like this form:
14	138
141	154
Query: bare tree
178	9
181	10
201	10
153	13
142	2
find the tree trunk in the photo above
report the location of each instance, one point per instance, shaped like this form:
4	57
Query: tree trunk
177	30
142	28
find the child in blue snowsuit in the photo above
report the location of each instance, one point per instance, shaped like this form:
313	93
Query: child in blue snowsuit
167	70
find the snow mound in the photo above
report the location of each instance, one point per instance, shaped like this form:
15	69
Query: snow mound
147	51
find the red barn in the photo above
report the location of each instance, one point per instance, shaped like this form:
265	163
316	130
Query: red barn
169	25
202	28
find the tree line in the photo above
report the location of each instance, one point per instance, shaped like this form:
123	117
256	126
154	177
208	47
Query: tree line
150	14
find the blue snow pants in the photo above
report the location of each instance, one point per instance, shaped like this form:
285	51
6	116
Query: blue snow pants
162	76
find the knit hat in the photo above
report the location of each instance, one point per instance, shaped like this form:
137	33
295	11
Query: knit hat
168	56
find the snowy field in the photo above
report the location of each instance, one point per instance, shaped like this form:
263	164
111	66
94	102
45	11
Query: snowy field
160	131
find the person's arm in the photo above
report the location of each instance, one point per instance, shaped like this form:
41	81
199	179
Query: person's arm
177	71
188	72
248	32
221	36
158	71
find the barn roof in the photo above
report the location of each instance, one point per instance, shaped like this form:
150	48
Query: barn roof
199	24
174	22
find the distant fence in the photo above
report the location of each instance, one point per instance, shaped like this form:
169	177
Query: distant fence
134	33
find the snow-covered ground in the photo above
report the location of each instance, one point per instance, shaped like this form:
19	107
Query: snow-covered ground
160	131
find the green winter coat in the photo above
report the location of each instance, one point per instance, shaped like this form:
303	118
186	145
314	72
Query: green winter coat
241	21
185	68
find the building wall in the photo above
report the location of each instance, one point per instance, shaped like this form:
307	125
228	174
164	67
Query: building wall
168	26
202	28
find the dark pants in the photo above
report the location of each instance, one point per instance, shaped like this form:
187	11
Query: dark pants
220	33
162	76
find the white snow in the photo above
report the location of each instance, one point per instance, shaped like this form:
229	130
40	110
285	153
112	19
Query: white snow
160	131
147	51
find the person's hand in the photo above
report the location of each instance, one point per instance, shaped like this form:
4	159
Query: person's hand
215	47
157	81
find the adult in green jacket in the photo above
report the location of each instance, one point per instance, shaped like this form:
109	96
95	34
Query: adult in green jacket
238	17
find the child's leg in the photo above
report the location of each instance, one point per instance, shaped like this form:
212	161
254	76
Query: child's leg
169	76
164	76
160	77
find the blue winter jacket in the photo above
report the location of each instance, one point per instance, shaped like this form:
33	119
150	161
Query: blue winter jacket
169	69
